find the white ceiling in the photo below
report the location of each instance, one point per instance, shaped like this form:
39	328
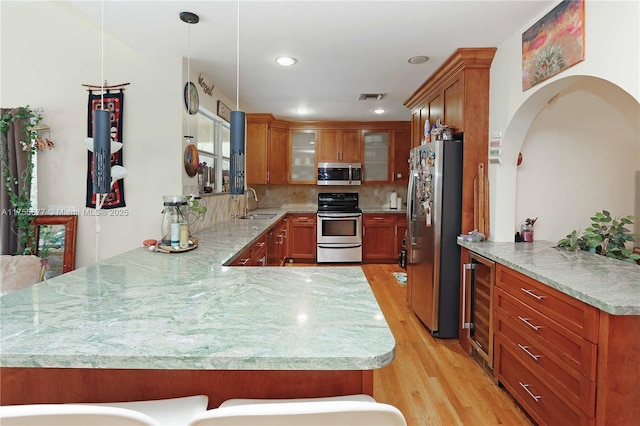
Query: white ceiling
344	48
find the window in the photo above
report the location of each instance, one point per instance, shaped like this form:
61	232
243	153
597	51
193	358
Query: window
214	148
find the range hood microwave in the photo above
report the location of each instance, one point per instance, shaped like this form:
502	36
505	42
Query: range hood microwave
339	173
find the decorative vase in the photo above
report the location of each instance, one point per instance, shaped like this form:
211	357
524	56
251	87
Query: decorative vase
527	233
201	181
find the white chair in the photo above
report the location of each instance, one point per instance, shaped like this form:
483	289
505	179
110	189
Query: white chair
19	271
346	411
71	415
165	412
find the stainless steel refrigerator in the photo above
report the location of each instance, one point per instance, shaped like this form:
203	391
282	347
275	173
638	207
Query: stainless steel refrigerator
434	210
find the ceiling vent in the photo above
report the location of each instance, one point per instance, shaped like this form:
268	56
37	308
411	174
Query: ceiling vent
370	96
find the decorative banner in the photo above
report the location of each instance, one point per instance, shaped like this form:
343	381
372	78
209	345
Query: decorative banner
113	102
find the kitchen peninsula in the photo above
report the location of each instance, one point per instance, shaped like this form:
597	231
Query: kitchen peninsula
565	330
147	325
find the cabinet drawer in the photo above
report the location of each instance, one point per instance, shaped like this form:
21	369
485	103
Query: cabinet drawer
566	382
567	311
573	350
372	218
540	401
302	218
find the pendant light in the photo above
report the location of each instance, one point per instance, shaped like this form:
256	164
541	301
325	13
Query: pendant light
238	120
191	158
101	137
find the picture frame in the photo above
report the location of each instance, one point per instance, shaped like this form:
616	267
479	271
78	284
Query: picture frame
55	237
224	111
554	43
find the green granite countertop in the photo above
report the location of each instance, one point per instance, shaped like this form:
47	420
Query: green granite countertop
608	284
150	310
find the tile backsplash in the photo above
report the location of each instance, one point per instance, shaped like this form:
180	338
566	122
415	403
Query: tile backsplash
221	207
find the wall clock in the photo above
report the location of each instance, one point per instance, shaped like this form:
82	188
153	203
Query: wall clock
191	99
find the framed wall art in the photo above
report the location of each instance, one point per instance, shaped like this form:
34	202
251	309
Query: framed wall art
224	111
554	43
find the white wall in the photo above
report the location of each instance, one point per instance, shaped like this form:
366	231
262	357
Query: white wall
612	54
579	156
47	53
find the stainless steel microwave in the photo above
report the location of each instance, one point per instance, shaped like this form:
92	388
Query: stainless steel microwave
339	173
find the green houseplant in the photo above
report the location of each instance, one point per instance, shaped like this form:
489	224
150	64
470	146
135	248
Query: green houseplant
606	236
19	188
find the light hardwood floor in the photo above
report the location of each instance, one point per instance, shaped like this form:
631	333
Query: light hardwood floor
432	381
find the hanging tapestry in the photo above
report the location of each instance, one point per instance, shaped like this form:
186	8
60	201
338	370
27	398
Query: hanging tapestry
113	102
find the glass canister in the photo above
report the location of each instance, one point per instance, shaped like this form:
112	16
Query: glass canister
175	211
526	230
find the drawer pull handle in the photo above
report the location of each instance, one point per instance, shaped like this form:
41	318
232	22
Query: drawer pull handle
244	261
260	244
536	398
531	293
526	321
526	349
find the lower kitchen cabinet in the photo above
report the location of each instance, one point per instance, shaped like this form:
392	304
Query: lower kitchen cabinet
302	237
380	237
256	255
552	352
277	243
401	228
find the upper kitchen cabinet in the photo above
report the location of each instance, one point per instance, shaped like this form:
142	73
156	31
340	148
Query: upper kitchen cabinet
340	145
266	150
401	145
303	156
376	156
458	94
386	152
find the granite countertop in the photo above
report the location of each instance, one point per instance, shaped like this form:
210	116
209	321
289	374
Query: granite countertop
150	310
608	284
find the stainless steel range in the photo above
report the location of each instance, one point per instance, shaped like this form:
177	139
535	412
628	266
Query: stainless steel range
339	228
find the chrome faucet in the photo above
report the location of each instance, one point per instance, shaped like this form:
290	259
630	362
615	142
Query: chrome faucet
246	199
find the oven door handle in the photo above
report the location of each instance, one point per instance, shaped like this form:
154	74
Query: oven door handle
339	246
339	216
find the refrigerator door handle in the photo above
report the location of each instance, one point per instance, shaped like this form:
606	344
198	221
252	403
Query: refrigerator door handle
410	208
465	267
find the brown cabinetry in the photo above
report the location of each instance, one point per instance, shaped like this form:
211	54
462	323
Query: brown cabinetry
340	145
400	146
380	237
401	228
302	237
255	255
553	351
277	243
266	150
458	94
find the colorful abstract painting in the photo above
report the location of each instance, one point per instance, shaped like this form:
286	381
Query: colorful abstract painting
554	43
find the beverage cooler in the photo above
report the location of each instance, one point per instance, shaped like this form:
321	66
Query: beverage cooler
477	314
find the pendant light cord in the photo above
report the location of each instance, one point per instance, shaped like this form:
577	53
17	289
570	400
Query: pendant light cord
188	88
238	59
102	55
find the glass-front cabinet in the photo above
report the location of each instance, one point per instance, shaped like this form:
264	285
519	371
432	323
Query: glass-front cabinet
303	157
376	156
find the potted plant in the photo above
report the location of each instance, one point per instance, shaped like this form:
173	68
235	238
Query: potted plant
19	188
606	236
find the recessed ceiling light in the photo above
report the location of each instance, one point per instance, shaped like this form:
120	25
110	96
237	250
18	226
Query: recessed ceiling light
286	61
302	111
415	60
379	111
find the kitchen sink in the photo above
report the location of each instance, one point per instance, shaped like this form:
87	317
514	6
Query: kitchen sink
258	216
